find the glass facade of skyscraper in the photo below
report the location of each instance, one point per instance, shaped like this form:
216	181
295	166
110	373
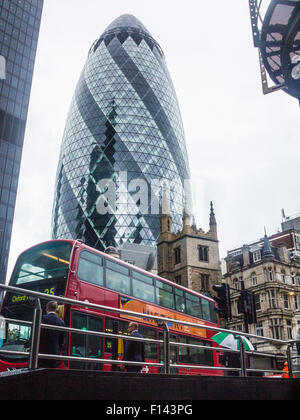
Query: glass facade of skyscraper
124	138
19	30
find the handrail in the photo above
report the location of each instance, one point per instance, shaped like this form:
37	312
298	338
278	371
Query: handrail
132	313
34	355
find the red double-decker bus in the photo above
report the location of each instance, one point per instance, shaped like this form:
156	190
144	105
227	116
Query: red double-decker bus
73	270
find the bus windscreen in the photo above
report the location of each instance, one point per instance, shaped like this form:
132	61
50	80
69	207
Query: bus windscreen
46	262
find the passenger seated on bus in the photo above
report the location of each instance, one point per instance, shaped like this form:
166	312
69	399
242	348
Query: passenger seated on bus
51	341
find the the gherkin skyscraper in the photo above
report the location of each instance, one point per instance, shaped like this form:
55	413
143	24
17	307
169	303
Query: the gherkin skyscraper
123	141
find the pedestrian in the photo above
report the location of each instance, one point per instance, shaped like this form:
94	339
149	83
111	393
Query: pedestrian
51	341
134	350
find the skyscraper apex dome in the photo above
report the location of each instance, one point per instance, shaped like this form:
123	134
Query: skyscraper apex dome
127	21
124	27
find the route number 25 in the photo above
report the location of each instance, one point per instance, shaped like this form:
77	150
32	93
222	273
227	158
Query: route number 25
49	291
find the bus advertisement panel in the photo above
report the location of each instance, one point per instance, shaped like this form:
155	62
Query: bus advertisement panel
129	304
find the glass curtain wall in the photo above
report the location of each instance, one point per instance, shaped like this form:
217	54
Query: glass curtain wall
19	31
123	140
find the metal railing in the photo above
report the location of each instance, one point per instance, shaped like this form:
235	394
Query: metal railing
167	365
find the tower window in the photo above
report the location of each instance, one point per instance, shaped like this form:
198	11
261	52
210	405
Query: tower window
203	253
205	282
177	253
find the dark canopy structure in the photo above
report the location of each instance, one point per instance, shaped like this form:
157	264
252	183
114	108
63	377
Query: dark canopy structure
277	35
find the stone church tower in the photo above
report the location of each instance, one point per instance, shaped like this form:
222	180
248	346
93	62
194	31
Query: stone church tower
189	257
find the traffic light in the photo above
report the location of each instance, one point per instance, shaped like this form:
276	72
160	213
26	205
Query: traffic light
242	302
223	300
246	306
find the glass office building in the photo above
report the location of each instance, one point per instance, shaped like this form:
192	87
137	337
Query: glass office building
19	31
123	140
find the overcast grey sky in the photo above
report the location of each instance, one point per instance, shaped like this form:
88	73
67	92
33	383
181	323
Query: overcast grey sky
243	146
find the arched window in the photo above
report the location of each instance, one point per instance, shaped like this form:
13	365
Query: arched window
270	274
293	278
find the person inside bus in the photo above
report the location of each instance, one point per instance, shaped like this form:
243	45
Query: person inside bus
134	350
51	341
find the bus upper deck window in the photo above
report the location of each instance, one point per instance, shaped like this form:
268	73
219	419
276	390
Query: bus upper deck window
90	268
117	277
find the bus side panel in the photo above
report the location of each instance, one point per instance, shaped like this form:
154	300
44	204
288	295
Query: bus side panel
200	372
92	294
6	366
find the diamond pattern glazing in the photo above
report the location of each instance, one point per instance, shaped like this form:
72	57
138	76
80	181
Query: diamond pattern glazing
124	125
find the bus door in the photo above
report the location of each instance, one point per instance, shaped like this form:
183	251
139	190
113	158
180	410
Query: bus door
114	348
173	353
151	353
83	345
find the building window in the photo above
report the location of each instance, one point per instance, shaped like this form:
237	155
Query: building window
205	282
283	276
276	328
296	302
297	241
177	254
239	328
257	302
270	274
289	330
203	253
259	329
293	278
298	279
178	280
256	256
235	283
272	299
286	301
254	279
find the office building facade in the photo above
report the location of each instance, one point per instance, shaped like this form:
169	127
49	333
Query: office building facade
19	31
123	139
